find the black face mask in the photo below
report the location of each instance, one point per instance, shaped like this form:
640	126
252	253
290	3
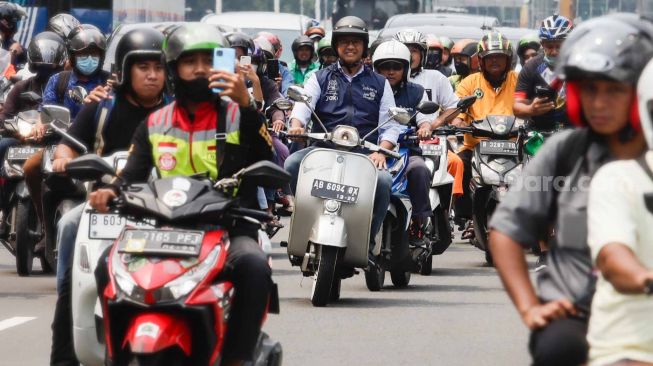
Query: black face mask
462	69
196	90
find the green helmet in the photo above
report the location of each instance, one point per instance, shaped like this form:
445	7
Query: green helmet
192	37
323	45
446	42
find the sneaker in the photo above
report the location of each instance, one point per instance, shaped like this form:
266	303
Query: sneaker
540	264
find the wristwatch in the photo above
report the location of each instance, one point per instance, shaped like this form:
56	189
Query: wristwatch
648	287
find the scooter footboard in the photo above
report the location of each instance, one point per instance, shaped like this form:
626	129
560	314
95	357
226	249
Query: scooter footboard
153	332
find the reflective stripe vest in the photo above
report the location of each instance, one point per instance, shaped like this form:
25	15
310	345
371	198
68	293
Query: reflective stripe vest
184	147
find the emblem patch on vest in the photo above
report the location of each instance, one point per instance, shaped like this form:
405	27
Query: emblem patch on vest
478	93
369	93
167	162
331	94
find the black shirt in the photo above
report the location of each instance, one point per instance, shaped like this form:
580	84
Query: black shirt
532	75
119	128
14	104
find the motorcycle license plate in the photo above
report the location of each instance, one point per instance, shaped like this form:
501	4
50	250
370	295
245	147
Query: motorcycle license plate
109	226
494	147
430	149
334	191
21	152
161	242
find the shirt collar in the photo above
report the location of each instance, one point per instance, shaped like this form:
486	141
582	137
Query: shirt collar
349	77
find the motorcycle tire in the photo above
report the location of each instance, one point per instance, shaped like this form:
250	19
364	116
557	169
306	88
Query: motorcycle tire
426	268
49	257
442	231
374	278
25	219
400	278
326	268
335	289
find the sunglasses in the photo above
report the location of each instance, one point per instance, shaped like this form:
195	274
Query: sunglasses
391	65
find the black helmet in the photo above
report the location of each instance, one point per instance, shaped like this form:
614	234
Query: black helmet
350	26
86	36
62	24
242	40
615	47
47	49
302	41
10	15
137	44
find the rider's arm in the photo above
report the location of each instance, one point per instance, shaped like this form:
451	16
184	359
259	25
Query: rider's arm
271	94
613	231
522	105
301	114
50	91
12	102
390	131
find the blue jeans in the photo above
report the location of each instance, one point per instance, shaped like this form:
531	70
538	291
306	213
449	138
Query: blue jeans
381	197
66	237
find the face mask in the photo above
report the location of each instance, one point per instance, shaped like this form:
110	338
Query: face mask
87	65
462	68
550	60
196	90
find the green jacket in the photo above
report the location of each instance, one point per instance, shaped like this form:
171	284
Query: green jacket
299	76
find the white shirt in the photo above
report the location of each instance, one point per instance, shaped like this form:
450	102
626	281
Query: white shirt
438	86
621	326
424	118
389	132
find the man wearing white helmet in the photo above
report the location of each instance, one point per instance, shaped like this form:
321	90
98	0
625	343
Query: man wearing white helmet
437	86
392	60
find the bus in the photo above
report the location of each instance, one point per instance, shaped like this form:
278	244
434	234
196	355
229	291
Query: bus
376	12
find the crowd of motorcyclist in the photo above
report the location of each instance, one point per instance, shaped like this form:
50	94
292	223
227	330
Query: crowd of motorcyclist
163	90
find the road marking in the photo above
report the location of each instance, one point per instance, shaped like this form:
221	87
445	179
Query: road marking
12	322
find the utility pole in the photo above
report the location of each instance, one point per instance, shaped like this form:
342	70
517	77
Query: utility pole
318	10
218	6
277	6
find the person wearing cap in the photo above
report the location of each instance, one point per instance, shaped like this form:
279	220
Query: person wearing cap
334	92
302	66
602	105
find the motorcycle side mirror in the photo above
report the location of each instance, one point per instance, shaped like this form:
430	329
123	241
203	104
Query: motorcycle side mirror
298	94
89	167
466	102
427	107
283	104
51	112
78	94
265	174
30	98
400	115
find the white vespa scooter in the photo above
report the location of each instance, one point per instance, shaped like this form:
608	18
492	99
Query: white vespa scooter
330	227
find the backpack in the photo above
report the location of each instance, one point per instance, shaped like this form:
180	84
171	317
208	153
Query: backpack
62	85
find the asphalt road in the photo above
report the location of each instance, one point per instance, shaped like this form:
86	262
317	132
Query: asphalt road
459	315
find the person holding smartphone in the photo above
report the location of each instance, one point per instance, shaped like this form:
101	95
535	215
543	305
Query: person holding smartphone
540	95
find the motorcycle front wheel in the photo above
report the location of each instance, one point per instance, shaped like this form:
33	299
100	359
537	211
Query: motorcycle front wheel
323	278
25	220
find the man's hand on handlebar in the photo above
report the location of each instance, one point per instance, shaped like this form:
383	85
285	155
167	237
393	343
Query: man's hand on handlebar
296	128
379	160
100	199
424	131
458	122
278	126
59	165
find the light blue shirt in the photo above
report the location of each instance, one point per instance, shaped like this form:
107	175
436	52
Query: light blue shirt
286	79
389	132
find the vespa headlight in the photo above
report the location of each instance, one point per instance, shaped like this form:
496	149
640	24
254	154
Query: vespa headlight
185	283
346	136
331	206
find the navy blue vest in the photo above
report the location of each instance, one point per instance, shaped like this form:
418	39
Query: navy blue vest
354	104
409	97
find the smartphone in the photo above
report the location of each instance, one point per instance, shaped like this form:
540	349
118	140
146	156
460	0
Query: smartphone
224	59
545	92
273	69
245	60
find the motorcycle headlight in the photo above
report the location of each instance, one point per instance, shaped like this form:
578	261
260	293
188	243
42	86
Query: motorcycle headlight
489	176
123	279
185	283
346	136
13	170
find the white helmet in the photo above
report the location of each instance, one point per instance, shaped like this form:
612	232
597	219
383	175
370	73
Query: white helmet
392	50
645	102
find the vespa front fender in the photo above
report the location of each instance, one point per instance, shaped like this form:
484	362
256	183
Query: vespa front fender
329	230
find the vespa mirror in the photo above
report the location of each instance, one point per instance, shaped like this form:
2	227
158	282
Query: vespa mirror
427	107
400	115
298	94
283	104
51	112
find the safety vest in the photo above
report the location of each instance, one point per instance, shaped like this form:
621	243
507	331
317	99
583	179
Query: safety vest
184	147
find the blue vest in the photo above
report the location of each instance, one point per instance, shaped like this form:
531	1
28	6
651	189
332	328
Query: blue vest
355	104
408	97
